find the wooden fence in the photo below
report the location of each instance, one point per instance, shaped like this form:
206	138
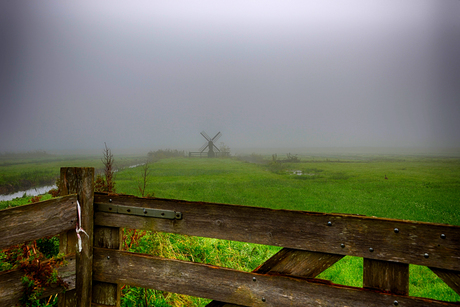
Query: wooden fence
204	154
311	241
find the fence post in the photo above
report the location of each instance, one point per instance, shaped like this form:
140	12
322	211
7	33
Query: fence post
80	181
107	294
386	276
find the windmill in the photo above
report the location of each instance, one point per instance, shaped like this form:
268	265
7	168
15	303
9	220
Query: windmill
210	144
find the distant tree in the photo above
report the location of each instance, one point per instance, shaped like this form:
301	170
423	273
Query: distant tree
224	149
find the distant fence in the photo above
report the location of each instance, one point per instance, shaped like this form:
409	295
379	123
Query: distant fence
312	242
217	154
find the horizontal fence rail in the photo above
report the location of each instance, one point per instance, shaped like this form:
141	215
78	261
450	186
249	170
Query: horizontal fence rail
433	245
12	289
232	286
35	221
311	241
31	222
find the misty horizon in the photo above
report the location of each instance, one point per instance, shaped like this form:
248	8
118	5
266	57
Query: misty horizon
267	74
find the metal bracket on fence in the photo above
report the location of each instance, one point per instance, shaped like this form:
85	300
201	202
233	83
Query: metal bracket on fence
149	212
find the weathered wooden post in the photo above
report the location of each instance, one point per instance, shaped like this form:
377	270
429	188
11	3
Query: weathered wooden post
387	276
106	294
80	181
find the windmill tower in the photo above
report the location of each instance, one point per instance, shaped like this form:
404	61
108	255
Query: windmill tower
210	144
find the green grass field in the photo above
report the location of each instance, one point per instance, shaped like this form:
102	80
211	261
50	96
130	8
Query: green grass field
24	171
418	188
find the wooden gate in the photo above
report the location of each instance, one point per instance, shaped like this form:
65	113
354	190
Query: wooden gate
311	242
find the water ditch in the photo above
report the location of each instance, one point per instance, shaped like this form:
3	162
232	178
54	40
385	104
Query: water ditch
30	192
40	190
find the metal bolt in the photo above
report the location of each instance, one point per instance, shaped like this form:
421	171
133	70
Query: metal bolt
263	299
254	279
108	257
371	249
443	236
396	230
396	303
329	223
426	255
110	200
342	245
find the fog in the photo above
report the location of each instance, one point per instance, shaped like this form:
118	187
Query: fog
154	74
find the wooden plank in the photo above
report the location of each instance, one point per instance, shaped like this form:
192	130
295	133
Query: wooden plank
235	287
451	278
12	289
106	294
292	262
434	245
35	221
298	263
67	244
80	181
386	276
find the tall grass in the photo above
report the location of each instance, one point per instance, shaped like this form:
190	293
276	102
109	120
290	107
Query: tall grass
419	189
416	189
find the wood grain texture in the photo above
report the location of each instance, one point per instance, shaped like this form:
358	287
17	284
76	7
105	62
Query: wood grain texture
451	278
235	287
298	263
106	293
80	181
291	262
12	289
413	242
386	276
38	220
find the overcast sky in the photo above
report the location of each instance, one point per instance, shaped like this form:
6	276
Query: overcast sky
154	74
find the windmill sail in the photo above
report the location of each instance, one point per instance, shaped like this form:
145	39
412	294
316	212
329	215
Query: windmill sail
204	134
202	148
210	144
216	137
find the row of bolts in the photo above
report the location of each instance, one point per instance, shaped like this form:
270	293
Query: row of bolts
396	230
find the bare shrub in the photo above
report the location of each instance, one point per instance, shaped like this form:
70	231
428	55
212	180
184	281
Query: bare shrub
106	184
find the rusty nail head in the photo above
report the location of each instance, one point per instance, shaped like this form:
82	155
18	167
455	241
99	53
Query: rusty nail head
329	223
371	249
396	230
443	236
